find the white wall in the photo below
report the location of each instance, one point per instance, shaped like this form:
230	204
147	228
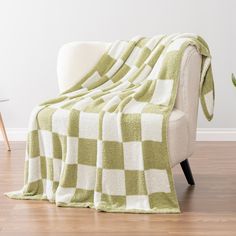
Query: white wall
32	31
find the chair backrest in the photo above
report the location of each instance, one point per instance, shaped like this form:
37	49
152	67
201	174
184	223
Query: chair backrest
77	58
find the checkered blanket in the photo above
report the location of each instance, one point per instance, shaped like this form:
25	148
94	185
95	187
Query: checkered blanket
103	143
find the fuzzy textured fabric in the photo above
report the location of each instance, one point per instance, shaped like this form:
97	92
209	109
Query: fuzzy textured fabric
103	143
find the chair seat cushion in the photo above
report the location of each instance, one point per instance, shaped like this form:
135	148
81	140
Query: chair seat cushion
178	137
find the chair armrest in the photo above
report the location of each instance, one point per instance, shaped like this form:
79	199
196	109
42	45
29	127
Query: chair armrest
75	59
188	91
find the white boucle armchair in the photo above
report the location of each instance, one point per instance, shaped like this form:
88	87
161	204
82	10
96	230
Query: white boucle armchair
77	58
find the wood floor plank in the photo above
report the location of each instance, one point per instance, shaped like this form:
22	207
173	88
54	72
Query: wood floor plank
208	208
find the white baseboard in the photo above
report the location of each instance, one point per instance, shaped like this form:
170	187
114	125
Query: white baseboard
203	134
16	134
216	134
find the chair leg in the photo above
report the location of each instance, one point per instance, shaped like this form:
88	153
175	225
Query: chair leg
2	127
187	172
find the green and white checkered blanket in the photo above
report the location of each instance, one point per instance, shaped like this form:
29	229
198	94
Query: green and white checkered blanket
103	143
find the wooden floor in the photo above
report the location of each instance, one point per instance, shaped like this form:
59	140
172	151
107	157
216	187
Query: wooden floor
209	208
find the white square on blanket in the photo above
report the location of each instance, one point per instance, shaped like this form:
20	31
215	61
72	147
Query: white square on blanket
209	101
64	195
117	49
57	167
134	107
34	169
80	105
157	181
88	125
162	92
99	153
33	125
49	189
140	202
45	143
156	69
133	158
113	182
72	150
111	127
133	56
97	198
60	120
151	126
86	176
95	77
114	68
176	45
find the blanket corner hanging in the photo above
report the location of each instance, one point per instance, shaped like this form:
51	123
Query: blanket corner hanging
93	145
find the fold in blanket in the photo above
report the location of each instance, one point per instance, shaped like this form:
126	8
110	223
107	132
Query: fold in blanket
103	143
